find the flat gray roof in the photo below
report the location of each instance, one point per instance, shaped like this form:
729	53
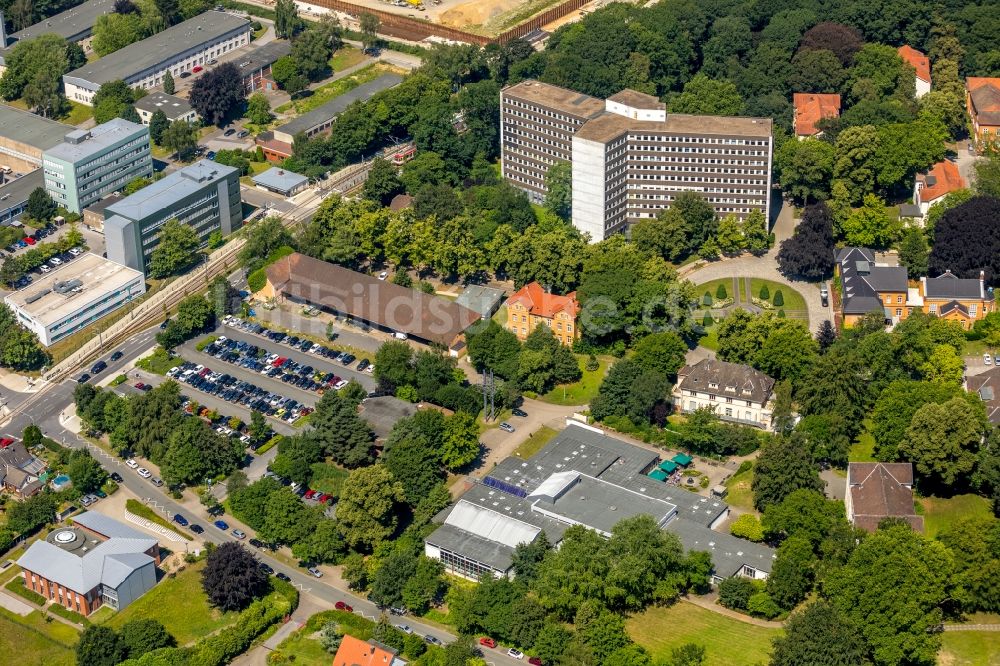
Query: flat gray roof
483	300
335	106
171	105
161	47
72	25
383	412
165	191
100	138
15	192
43	303
30	129
281	180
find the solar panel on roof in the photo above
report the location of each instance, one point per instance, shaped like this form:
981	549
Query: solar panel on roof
504	486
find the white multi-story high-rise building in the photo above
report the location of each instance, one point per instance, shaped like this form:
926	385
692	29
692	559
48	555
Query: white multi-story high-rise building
629	157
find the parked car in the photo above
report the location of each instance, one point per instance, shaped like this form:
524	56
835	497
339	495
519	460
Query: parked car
116	477
242	134
184	75
987	359
143	472
196	69
432	640
518	412
180	520
131	464
319	574
516	654
229	132
84	378
86	501
157	481
824	296
534	661
256	543
266	568
383	275
281	576
197	529
405	628
506	427
488	642
221	524
239	534
140	385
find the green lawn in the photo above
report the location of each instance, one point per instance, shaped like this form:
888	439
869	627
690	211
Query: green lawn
534	444
711	338
727	642
78	113
739	494
583	391
138	508
712	286
180	604
35	641
939	513
300	648
793	299
158	362
325	93
863	450
969	648
345	57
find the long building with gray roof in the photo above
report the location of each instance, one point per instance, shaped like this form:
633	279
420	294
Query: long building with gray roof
74	25
582	477
24	136
180	48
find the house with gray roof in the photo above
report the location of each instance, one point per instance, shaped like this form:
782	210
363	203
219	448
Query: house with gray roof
736	393
76	24
281	181
581	477
484	300
867	286
987	386
19	470
95	561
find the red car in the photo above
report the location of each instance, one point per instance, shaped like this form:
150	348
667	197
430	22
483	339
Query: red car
196	69
534	661
140	385
309	494
29	240
340	605
488	642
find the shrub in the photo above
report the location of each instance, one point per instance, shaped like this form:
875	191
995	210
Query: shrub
592	364
706	299
748	527
257	280
735	592
707	321
202	345
779	298
744	466
765	293
781	314
762	605
721	292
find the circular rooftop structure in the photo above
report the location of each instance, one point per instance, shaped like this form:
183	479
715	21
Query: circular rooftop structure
71	539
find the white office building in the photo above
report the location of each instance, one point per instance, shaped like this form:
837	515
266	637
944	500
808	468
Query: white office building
74	296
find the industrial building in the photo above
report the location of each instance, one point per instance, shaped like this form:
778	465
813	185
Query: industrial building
204	195
173	107
14	195
179	48
76	24
90	164
96	561
25	136
629	157
582	477
73	296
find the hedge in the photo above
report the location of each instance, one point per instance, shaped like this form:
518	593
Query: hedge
257	280
16	585
201	346
269	444
72	616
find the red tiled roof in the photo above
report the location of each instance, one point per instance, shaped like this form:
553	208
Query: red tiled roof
941	179
985	94
810	108
881	490
542	304
918	60
356	652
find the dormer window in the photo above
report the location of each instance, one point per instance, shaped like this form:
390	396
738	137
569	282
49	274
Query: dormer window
714	385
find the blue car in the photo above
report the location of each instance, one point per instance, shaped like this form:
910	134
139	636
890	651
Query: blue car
180	520
221	524
210	155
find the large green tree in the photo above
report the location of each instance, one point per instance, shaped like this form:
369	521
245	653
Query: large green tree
784	466
368	508
942	441
175	249
818	634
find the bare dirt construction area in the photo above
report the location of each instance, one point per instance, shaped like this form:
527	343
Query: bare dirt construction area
491	17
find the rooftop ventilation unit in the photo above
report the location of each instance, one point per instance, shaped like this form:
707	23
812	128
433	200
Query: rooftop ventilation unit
34	297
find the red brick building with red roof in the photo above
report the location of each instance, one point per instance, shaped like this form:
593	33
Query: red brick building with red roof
810	108
919	62
356	652
531	306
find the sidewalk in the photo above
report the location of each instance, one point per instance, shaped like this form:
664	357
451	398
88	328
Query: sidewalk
708	603
12	381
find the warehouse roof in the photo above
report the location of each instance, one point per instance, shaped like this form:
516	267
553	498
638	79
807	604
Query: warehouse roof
161	47
72	25
165	191
31	129
15	192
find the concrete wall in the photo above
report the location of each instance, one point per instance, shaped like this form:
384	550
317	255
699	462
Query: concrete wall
589	187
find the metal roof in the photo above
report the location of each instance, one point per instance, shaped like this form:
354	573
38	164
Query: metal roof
30	129
491	525
171	105
79	145
108	527
325	112
262	56
147	54
72	25
280	180
166	191
729	553
483	300
15	192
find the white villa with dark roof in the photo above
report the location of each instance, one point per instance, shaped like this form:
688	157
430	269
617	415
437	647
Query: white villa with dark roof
94	562
736	393
582	477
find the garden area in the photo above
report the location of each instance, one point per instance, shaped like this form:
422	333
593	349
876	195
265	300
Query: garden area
727	642
534	444
188	621
940	512
738	492
36	640
323	94
583	391
715	295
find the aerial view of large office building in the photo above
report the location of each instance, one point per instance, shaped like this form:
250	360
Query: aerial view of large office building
629	157
90	164
74	296
179	48
204	195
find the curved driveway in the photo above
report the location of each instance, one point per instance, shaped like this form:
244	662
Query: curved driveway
765	267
